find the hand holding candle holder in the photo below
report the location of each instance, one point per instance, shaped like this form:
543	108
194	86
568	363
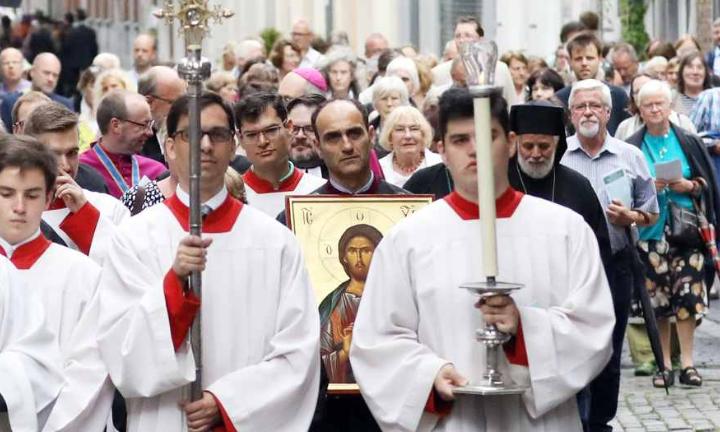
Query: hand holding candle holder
479	59
493	383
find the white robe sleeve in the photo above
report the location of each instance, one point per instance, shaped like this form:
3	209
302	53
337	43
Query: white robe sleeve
30	376
112	213
85	401
134	330
397	389
569	344
280	392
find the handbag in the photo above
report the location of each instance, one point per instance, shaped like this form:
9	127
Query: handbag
683	227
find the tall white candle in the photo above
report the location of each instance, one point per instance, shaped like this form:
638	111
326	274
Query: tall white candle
486	185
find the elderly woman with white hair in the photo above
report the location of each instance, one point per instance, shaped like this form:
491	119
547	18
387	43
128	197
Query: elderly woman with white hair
338	68
407	135
405	69
672	250
389	92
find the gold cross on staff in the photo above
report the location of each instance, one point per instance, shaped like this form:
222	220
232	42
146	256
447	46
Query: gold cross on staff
193	16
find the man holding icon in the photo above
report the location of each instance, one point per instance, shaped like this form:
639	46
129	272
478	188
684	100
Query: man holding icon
413	339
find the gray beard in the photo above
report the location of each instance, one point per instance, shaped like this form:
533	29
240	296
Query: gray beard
537	171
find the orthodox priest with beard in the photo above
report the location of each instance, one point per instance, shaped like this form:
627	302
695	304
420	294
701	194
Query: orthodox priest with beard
539	133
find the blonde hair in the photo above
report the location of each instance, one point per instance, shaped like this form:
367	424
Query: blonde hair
218	80
401	113
106	74
235	184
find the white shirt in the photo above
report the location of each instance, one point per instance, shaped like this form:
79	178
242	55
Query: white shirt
414	318
398	179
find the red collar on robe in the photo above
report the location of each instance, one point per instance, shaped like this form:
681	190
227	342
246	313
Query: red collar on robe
262	186
25	256
505	204
220	220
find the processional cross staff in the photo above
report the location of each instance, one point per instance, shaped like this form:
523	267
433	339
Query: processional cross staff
193	16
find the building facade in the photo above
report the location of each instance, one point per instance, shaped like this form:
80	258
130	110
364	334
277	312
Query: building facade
527	25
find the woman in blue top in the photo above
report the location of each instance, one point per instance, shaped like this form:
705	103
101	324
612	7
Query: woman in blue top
676	273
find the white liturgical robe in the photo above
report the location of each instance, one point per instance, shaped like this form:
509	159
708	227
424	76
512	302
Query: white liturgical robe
261	194
30	375
67	282
260	326
414	318
91	228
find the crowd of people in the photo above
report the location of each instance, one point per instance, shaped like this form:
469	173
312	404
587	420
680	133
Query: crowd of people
605	178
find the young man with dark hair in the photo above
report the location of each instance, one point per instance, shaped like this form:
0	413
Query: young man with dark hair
85	220
585	51
63	279
414	344
264	134
259	321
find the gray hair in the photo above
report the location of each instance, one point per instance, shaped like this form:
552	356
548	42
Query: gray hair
652	88
588	85
390	84
407	65
625	48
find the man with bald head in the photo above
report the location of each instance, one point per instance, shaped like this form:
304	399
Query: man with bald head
144	55
375	44
11	66
44	76
125	123
161	86
303	35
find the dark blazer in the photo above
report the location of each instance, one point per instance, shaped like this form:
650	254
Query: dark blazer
701	165
79	47
619	105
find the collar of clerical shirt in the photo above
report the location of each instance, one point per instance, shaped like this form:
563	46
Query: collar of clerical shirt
26	253
505	205
224	211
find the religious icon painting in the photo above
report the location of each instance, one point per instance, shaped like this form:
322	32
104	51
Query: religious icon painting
338	236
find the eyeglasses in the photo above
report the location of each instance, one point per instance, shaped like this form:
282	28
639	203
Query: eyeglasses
593	106
300	34
167	101
307	130
217	135
12	63
270	133
150	124
653	105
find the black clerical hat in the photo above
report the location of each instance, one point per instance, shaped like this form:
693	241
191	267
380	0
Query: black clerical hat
540	117
537	117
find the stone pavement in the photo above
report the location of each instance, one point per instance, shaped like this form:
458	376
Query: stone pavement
645	408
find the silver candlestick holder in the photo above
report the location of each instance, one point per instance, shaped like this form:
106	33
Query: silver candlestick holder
493	384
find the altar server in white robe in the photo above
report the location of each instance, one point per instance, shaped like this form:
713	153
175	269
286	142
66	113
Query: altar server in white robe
265	135
260	327
30	375
85	220
414	336
65	279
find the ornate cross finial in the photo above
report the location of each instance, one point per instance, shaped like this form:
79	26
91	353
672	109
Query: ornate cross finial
193	16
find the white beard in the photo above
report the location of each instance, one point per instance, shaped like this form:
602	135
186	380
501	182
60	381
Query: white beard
535	170
589	132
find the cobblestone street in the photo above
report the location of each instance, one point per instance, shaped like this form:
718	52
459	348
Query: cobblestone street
647	409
